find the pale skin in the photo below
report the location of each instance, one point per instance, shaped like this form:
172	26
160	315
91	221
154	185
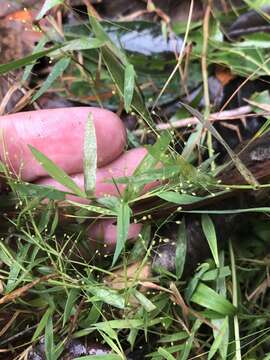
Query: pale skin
59	134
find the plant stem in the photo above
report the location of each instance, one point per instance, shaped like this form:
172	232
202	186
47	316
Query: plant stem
235	303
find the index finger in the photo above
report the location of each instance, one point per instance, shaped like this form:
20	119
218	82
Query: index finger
59	134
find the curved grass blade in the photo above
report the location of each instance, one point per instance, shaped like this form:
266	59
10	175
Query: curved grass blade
115	61
208	298
210	234
247	175
56	72
83	43
56	172
49	4
37	48
27	60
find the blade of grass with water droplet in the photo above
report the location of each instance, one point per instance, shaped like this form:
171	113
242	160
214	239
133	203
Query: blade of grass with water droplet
181	249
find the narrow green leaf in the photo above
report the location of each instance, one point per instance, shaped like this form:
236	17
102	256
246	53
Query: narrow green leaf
188	344
247	175
17	64
100	357
56	72
146	303
90	157
49	4
181	249
39	47
38	191
208	298
123	221
165	354
56	172
192	285
129	86
210	234
121	324
216	274
218	339
83	43
101	34
181	335
49	342
16	268
181	199
71	299
42	323
108	296
92	208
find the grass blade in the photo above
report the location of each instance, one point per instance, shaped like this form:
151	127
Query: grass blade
207	297
83	43
181	199
210	234
38	47
49	4
17	64
49	342
100	357
56	72
123	221
181	249
146	303
218	339
56	172
129	86
107	295
71	299
90	157
247	175
165	354
42	323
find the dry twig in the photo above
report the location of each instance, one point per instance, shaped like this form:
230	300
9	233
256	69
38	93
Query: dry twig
234	114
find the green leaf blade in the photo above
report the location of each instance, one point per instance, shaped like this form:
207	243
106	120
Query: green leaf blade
129	84
181	249
210	234
123	221
56	172
90	157
49	4
207	297
56	72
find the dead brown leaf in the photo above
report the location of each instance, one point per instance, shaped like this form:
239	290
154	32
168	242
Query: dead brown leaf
24	289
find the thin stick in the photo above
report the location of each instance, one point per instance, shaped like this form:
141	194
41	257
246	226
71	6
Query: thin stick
181	55
205	77
235	303
218	116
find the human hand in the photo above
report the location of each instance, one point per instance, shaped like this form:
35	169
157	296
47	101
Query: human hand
59	134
